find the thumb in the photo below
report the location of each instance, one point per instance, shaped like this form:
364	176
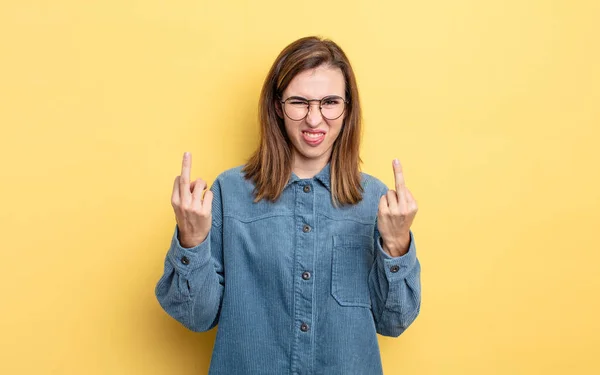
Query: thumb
383	205
207	202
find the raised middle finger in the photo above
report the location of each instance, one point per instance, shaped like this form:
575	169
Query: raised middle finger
184	180
398	175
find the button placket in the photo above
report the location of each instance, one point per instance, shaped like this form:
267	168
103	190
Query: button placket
304	257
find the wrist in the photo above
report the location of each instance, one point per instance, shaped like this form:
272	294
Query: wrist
398	246
190	241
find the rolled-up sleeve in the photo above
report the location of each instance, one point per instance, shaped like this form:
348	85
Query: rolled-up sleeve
395	284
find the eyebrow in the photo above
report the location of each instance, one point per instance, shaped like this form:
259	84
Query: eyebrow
303	98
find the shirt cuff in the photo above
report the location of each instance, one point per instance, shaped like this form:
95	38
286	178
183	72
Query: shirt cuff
397	267
185	259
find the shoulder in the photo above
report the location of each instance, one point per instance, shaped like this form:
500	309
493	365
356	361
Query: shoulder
372	185
233	180
231	174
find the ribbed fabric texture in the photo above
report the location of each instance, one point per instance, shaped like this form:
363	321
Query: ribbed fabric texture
297	286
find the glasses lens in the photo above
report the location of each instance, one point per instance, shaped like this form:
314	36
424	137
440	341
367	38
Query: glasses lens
296	109
332	107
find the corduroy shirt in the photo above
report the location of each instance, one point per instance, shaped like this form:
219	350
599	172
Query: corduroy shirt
297	286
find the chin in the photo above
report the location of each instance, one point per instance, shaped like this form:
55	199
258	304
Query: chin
313	153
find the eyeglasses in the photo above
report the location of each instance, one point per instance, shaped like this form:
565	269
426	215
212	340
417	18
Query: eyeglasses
297	108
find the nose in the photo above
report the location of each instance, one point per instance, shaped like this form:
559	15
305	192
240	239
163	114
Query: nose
314	117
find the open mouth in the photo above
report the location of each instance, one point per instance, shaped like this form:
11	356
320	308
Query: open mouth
313	138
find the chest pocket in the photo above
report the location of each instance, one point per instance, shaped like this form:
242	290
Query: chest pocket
352	258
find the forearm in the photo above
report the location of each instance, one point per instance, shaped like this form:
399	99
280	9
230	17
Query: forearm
396	290
188	274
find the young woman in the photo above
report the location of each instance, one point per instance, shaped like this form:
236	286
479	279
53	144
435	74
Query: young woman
299	257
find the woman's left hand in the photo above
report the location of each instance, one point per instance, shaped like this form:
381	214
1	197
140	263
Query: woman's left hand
397	210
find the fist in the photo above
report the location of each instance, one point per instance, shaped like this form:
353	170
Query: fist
397	210
193	211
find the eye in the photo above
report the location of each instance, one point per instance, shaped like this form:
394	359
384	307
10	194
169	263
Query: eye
297	102
332	102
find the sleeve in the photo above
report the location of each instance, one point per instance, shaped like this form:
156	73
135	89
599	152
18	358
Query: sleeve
191	287
395	286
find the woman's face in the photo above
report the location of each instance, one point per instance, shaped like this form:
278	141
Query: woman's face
313	137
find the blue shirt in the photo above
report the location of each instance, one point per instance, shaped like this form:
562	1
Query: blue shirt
297	286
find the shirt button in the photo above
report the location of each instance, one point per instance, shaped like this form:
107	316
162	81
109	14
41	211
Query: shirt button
306	229
307	188
306	275
395	268
185	260
304	327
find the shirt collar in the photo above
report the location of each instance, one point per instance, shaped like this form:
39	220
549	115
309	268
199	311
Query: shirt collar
324	177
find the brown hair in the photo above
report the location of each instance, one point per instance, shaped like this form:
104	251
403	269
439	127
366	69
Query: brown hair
270	166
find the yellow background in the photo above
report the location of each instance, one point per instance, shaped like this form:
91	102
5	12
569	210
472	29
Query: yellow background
492	106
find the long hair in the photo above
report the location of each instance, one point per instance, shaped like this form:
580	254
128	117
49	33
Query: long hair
270	166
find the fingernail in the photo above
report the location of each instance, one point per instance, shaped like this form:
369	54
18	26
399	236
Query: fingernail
186	154
396	162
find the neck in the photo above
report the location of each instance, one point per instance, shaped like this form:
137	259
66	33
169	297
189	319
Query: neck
308	168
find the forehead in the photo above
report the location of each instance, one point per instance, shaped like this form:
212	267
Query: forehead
317	83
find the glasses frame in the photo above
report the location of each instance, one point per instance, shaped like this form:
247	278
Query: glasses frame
320	101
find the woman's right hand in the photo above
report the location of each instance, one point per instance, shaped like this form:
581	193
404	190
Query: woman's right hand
193	214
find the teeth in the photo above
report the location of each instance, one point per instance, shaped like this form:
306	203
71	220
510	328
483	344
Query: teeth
313	135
